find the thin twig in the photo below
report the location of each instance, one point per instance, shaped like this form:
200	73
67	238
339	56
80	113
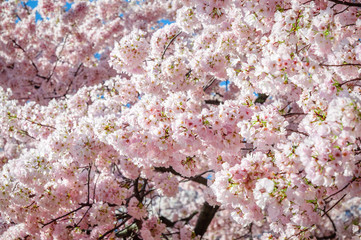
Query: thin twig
307	2
67	214
291	130
333	224
340	65
292	114
57	59
341	11
77	70
32	62
334	205
113	229
95	186
352	80
23	132
86	212
348	184
88	183
210	82
42	125
26	7
171	41
198	179
351	4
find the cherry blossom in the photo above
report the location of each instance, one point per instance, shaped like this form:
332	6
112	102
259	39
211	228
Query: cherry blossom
238	119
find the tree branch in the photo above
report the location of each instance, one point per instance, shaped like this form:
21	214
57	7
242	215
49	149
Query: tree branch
333	235
205	218
213	102
57	59
32	62
39	124
88	183
82	205
351	4
291	130
340	65
113	229
169	223
77	224
352	80
171	41
198	178
210	82
292	114
348	184
326	212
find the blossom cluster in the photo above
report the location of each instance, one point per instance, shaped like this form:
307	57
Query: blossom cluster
237	119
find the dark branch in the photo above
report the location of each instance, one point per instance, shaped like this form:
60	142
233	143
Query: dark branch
198	178
39	124
292	114
77	70
333	235
213	102
210	82
261	98
113	229
291	130
348	184
32	62
326	212
57	59
67	214
340	65
351	4
352	80
205	218
171	41
169	223
341	11
136	190
77	224
88	183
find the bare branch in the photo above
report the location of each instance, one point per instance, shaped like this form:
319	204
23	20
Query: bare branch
39	124
210	82
341	11
213	102
136	190
334	205
292	114
57	59
88	182
113	229
67	214
171	41
77	224
198	178
340	65
291	130
31	61
169	223
351	4
205	217
352	80
348	184
333	235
